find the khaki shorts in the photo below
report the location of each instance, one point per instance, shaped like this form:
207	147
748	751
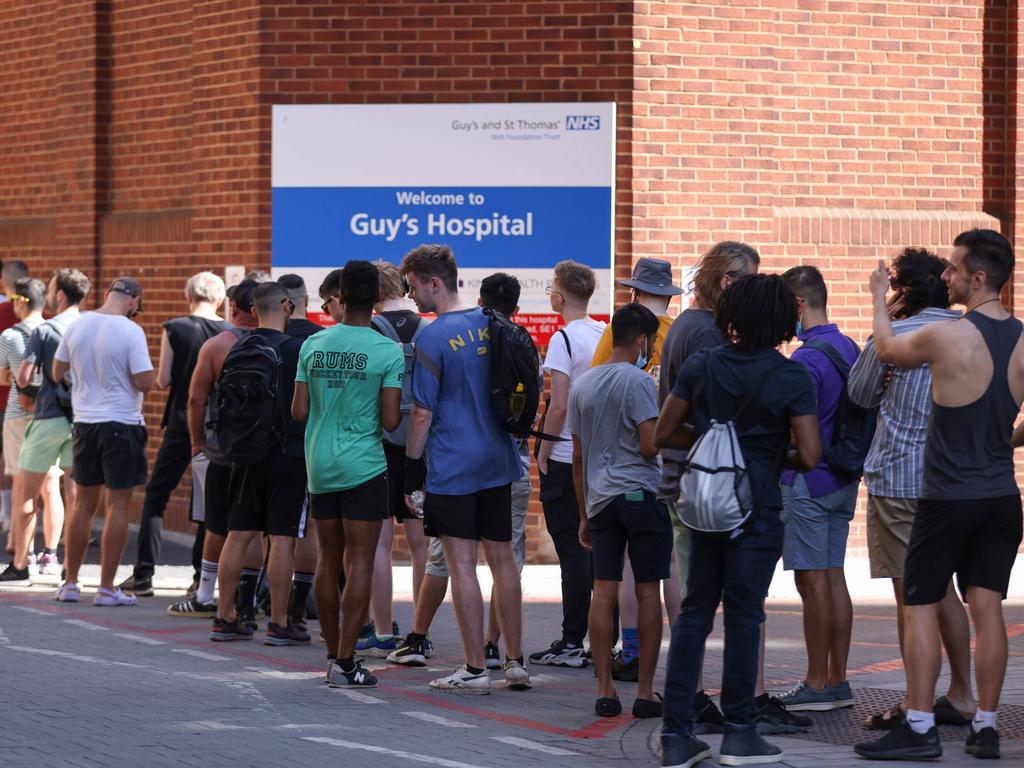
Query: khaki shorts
47	444
889	524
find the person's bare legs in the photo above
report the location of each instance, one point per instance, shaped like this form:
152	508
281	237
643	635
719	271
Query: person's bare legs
509	605
432	592
991	646
469	610
627	599
280	566
813	587
602	608
361	538
229	570
306	551
955	631
53	512
672	592
842	625
115	533
921	631
493	633
331	539
27	486
76	537
417	541
382	591
649	618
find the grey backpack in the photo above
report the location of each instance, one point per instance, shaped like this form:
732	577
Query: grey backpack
381	323
714	489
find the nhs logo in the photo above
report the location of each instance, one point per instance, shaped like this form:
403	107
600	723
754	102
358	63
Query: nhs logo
583	123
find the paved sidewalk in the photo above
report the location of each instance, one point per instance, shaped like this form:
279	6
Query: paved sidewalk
88	686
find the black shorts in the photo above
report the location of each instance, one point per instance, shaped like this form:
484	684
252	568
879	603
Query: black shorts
486	514
217	498
110	453
367	502
270	497
642	524
395	455
976	540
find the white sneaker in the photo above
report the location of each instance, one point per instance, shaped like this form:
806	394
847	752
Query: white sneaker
463	681
516	676
48	564
109	597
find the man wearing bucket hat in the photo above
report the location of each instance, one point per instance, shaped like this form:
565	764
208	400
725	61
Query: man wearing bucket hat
651	287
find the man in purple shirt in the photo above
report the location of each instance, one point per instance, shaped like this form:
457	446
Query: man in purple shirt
817	508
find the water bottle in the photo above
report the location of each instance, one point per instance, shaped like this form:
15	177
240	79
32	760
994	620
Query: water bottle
418	497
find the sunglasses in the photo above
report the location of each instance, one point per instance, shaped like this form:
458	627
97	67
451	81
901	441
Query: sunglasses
22	299
326	306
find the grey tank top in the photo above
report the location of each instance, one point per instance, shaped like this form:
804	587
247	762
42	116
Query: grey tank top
968	454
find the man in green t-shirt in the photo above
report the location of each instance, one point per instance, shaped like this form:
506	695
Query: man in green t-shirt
348	387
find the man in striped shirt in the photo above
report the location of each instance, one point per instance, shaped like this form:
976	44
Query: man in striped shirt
894	467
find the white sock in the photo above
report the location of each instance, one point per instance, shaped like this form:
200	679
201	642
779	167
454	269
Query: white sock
207	581
983	719
920	722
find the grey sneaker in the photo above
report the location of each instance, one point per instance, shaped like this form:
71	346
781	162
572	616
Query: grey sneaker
844	695
803	698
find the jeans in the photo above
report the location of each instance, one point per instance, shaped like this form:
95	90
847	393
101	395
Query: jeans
737	572
562	517
171	462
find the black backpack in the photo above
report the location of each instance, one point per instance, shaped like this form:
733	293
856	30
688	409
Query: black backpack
247	421
515	376
854	426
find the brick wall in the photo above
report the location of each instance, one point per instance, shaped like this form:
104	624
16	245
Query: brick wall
135	137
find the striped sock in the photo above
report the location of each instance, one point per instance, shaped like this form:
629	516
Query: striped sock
207	581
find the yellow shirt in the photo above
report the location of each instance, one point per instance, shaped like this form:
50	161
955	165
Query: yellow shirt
604	345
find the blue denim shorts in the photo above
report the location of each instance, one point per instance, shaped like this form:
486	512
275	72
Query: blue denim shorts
816	528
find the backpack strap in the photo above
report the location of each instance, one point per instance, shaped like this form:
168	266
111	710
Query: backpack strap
832	354
568	346
385	327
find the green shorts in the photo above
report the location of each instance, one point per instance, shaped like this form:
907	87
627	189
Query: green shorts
47	442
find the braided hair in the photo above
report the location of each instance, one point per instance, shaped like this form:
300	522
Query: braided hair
757	312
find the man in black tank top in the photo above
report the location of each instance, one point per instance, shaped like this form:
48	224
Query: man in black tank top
179	349
968	519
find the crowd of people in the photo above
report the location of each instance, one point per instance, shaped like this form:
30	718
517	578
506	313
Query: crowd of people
309	445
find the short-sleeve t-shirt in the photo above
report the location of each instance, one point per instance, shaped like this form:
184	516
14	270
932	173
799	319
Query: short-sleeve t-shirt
344	368
607	404
467	449
603	352
12	352
573	361
104	352
763	427
42	346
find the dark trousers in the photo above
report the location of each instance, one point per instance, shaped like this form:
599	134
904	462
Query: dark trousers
562	516
171	462
736	572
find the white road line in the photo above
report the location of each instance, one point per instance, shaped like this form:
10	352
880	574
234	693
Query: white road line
438	720
139	639
36	611
362	698
3	638
278	674
536	746
86	625
201	654
428	759
75	657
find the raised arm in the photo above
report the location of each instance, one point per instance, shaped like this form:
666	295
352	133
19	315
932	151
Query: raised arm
909	350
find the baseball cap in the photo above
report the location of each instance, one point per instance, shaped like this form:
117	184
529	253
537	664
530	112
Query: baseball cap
129	286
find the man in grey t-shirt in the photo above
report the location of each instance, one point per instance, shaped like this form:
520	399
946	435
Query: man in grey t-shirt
612	412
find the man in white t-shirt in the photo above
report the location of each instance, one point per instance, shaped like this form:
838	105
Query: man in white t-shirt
569	354
108	359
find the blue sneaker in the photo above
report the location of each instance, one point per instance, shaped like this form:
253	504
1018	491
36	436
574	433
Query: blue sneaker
379	646
428	647
367	636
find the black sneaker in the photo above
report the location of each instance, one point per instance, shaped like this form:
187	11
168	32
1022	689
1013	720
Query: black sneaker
563	654
627	672
290	635
15	577
410	653
492	656
902	743
774	718
682	751
228	631
356	677
137	587
984	744
707	718
248	617
743	745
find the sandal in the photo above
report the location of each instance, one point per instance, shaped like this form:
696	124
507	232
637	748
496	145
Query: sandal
886	721
68	593
608	707
112	597
946	713
647	707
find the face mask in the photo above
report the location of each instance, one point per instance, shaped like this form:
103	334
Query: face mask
641	360
799	327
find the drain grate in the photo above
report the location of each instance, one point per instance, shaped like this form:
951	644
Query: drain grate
844	726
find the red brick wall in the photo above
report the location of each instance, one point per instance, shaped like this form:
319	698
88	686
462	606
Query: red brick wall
135	137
